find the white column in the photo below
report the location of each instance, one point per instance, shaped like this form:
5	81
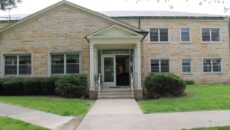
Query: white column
91	62
138	66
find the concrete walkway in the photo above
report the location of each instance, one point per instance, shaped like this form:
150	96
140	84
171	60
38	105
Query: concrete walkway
125	114
35	117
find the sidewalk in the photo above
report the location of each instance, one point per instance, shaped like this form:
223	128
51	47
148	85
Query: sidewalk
35	117
125	114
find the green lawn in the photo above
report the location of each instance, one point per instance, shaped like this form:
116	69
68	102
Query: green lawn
212	128
11	124
60	106
200	97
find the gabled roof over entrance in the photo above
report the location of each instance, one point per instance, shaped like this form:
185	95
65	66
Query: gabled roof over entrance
115	31
61	3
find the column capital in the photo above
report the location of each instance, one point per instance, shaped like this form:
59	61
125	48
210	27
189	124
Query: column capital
91	45
138	45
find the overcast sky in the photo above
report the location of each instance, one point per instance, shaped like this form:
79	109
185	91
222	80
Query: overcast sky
31	6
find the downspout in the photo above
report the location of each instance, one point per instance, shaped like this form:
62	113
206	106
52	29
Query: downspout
228	18
139	22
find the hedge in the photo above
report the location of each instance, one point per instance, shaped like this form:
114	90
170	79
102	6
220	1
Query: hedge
66	86
13	86
164	85
71	86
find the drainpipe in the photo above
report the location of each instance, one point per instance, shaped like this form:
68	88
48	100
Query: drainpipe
139	22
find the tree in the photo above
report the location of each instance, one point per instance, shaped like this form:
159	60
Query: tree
8	4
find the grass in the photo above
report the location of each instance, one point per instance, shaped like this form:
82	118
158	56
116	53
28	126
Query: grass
60	106
201	97
11	124
212	128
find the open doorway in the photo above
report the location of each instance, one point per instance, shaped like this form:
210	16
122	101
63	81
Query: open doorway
122	70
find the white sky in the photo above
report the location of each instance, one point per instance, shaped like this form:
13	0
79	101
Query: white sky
31	6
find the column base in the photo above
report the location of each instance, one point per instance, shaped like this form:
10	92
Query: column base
93	94
138	93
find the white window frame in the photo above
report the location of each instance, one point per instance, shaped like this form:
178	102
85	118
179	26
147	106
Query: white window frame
190	66
63	53
150	70
190	35
159	35
211	58
17	74
210	32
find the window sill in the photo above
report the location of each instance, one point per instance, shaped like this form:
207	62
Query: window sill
185	42
186	73
64	74
18	76
159	42
217	42
212	73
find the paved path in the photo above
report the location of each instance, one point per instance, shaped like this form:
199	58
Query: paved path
35	117
125	114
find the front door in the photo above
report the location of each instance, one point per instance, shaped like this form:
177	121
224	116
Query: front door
108	70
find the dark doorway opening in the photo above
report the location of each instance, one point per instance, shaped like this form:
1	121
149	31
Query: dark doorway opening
122	70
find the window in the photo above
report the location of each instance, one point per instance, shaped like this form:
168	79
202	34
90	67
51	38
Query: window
159	35
186	66
17	64
211	34
212	65
65	63
161	65
185	35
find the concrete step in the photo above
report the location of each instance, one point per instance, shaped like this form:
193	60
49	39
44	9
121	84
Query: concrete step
116	90
115	97
116	93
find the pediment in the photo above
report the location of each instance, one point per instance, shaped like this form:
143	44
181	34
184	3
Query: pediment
114	31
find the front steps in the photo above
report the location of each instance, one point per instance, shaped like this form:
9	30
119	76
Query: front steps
116	93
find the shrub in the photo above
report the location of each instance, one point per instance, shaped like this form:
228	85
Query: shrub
32	86
47	86
1	86
189	82
71	86
164	85
13	86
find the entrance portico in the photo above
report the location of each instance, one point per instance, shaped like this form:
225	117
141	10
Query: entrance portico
115	56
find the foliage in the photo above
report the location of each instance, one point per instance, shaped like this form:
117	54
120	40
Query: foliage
47	86
8	3
13	86
68	86
71	86
189	82
164	85
211	128
32	86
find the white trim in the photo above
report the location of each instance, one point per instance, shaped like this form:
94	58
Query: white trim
222	61
190	36
211	42
191	66
108	84
160	42
153	58
17	55
111	27
63	53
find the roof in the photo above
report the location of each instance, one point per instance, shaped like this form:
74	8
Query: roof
160	14
13	17
133	14
61	3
